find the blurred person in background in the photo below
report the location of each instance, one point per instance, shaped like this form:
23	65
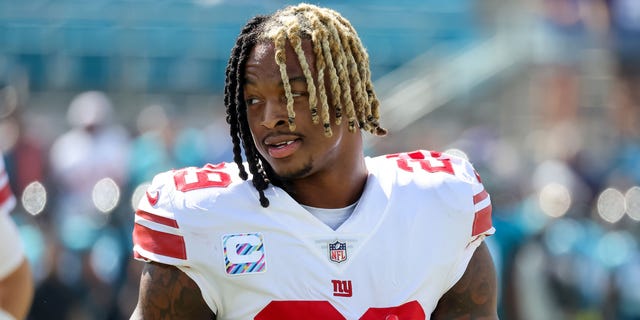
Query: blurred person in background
94	149
559	52
16	282
89	168
151	149
163	144
25	152
319	231
22	143
624	33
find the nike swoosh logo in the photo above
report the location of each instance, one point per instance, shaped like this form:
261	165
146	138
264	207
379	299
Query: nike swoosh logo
153	197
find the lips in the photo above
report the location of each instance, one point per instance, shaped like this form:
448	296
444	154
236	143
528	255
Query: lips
282	146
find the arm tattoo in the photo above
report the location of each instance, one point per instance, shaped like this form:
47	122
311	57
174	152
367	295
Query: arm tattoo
168	293
474	296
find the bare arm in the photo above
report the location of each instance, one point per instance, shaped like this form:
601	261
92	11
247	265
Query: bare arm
16	291
475	295
168	293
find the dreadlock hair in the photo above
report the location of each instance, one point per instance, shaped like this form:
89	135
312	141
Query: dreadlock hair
339	56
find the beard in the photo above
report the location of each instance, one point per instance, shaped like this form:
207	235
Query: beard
283	177
289	175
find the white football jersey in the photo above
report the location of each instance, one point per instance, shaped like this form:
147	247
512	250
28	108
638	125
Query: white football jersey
409	240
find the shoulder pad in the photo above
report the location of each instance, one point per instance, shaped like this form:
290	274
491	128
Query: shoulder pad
157	233
454	170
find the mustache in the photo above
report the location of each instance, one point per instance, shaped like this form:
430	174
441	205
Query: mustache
282	133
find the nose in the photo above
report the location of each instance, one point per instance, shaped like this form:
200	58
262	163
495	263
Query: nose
275	113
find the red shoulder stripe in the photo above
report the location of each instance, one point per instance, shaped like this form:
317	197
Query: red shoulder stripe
158	242
5	193
482	221
157	219
480	196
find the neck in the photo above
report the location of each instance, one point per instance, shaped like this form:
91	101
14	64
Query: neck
335	187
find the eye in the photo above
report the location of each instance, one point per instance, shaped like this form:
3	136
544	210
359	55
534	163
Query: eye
251	101
296	94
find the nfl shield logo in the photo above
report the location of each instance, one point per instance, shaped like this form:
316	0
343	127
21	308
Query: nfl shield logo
338	251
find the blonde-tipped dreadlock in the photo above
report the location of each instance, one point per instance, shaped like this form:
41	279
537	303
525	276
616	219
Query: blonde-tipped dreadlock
338	50
340	58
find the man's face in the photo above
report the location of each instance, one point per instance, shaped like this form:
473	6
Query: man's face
306	150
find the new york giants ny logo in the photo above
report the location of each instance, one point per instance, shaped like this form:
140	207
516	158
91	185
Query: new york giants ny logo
342	288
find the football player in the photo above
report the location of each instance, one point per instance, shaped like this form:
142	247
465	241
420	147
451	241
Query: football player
302	225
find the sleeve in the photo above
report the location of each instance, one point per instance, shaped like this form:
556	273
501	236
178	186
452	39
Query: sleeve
482	224
156	233
479	217
470	192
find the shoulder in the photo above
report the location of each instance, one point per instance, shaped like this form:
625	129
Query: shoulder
440	178
179	202
423	165
176	189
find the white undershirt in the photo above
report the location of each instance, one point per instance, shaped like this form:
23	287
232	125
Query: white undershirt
332	217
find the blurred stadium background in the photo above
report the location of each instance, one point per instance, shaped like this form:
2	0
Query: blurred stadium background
543	96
